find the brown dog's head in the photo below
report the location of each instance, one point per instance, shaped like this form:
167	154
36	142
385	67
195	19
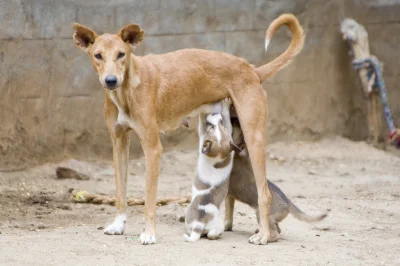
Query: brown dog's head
110	53
217	142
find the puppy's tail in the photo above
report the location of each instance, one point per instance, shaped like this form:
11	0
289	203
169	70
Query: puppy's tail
270	69
302	216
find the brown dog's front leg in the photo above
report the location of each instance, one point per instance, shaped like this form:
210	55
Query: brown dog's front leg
152	150
121	156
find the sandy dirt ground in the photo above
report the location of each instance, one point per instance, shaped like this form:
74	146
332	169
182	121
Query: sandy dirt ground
359	185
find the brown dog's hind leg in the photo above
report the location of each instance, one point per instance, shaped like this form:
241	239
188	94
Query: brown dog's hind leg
229	206
251	106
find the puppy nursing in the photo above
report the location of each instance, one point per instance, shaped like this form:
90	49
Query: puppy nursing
242	187
211	183
225	173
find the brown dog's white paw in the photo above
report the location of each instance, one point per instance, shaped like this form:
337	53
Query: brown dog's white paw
259	239
117	227
147	239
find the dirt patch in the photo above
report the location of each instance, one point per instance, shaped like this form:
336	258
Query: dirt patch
357	183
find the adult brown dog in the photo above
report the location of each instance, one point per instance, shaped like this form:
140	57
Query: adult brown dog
152	94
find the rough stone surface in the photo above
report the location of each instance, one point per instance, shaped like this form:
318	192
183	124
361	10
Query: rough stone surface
52	104
52	19
15	17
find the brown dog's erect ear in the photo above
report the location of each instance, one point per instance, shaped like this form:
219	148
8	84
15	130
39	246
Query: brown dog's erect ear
206	147
83	36
131	34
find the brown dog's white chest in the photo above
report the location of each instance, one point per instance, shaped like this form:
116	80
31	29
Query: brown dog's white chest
124	119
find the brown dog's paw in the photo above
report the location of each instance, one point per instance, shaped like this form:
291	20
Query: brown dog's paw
228	226
259	239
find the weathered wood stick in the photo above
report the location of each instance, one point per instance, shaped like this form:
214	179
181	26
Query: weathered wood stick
357	38
85	197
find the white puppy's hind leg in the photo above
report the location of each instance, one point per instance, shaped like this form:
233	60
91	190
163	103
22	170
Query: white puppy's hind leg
194	236
217	230
196	228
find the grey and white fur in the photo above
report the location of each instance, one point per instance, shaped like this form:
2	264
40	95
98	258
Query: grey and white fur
214	166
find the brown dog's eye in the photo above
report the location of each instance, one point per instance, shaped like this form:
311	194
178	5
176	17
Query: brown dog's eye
98	56
120	55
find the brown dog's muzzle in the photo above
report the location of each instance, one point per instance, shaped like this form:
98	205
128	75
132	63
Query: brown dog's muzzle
111	82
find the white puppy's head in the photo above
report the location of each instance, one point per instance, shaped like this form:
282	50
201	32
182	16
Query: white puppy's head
217	141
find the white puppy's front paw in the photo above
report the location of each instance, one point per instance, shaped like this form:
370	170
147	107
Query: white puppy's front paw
226	106
227	102
117	227
147	239
186	237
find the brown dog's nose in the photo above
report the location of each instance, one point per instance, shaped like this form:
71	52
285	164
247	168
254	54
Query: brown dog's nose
111	81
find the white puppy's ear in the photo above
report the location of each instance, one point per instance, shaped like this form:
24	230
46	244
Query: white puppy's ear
83	37
131	34
206	147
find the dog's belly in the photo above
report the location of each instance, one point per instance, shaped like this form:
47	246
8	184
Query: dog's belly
172	124
165	126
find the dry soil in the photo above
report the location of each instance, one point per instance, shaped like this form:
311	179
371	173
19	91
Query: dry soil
360	186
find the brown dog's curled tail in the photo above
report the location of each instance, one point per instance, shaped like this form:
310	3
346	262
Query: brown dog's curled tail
270	69
300	215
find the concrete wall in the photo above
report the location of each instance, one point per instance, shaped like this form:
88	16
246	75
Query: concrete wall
51	101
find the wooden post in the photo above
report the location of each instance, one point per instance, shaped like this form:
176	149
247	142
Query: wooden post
357	38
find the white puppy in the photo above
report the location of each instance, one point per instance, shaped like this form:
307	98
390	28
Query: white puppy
211	183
